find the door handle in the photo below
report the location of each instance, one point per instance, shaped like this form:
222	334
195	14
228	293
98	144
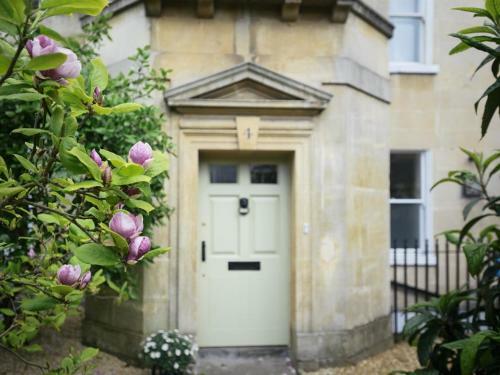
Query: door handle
203	255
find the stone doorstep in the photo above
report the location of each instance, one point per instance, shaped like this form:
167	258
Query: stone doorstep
272	360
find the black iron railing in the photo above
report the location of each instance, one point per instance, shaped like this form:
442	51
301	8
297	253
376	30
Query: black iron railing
421	271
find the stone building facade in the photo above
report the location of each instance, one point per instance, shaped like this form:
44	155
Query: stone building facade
302	107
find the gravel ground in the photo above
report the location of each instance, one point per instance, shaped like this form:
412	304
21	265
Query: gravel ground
400	357
57	345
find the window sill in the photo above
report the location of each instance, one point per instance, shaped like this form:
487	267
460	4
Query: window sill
413	68
411	260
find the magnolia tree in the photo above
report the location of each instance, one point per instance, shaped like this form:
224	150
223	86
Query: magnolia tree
83	208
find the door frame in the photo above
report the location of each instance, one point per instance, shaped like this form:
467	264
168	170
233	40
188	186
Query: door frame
197	135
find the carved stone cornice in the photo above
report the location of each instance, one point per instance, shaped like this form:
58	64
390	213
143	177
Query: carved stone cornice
290	10
247	88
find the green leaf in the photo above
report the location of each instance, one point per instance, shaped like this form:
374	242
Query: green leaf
33	348
120	181
62	289
10	191
114	159
475	43
70	162
426	342
130	170
48	219
491	106
12	11
155	252
142	205
468	356
46	62
478	29
83	185
87	161
51	33
469	206
88	354
39	303
56	121
120	242
474	254
125	108
23	96
413	324
96	254
460	47
98	75
468	226
7	27
493	7
158	165
30	131
7	312
4	64
89	7
25	163
478	12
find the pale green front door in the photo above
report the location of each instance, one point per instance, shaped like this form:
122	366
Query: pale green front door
244	255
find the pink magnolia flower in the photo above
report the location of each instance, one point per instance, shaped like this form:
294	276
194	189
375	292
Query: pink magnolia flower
68	274
85	279
96	157
126	225
43	45
137	248
141	153
31	252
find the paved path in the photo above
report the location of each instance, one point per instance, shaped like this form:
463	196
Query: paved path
274	361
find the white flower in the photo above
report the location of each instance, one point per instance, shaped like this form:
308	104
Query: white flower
186	352
176	365
164	347
169	354
177	352
146	349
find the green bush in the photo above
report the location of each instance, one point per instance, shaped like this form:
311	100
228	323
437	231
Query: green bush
451	339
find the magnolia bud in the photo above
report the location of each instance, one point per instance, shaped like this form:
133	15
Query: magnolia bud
85	279
98	98
96	157
107	176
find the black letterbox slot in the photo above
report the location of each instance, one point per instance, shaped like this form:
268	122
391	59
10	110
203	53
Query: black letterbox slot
243	266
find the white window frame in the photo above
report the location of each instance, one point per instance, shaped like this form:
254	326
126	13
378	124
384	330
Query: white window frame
425	66
426	222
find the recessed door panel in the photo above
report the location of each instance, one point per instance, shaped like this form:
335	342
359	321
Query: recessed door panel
224	223
265	230
243	281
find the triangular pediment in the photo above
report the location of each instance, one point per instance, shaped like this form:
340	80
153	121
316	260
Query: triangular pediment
247	88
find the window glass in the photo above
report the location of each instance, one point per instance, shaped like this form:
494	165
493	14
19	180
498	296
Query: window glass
264	174
405	176
223	174
405	43
405	224
403	6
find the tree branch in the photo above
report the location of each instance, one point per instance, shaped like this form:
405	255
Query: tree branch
24	360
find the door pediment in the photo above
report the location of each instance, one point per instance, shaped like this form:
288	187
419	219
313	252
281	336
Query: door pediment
247	89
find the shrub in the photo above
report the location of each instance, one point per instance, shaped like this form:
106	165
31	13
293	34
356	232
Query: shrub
451	339
171	352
